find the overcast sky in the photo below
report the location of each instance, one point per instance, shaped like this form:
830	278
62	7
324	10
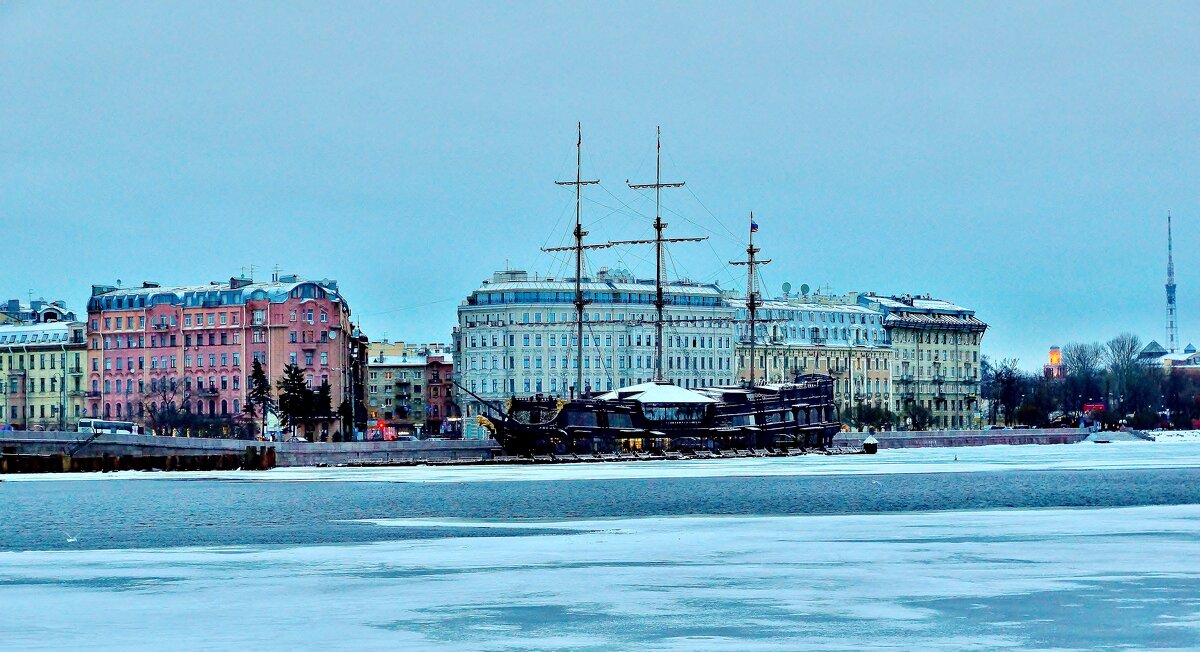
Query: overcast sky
1018	159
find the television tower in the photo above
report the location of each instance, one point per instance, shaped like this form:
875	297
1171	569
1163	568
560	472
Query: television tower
1172	325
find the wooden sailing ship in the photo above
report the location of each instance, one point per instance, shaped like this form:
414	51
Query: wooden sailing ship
659	416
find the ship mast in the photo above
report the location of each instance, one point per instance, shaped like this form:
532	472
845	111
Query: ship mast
752	301
578	248
658	242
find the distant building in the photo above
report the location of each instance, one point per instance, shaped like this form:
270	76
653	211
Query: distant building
38	311
516	335
1053	367
1152	351
411	387
42	368
396	390
441	399
799	336
194	346
936	363
1155	355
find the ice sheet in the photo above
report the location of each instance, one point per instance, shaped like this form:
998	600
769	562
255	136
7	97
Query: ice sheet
1066	579
1119	455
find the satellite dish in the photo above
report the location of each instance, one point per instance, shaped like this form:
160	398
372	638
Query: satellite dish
804	289
787	287
333	335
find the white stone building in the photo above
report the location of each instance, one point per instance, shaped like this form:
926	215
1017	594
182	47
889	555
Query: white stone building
516	335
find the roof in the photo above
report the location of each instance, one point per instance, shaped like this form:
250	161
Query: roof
918	303
656	392
417	360
1152	350
236	292
922	320
780	304
590	285
58	332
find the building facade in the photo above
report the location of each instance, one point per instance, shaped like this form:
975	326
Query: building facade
194	346
396	389
936	357
441	399
42	368
796	336
516	335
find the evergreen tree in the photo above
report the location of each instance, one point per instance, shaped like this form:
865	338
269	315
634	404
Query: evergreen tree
323	401
258	395
346	413
295	398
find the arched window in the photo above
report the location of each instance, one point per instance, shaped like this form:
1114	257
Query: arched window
224	407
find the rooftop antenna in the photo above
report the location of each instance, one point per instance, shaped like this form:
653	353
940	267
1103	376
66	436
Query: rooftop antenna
658	242
578	248
1172	325
275	275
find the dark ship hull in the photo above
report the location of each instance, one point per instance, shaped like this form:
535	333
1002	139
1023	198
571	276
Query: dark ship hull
799	415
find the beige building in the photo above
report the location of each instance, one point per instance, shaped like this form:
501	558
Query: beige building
936	356
802	336
407	387
42	368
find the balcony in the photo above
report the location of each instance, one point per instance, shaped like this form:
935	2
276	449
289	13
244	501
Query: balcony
92	394
75	371
208	391
161	326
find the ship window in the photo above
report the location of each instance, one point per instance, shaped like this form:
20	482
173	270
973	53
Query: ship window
581	418
674	412
619	420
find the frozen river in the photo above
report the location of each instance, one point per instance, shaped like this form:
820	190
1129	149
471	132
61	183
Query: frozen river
1067	547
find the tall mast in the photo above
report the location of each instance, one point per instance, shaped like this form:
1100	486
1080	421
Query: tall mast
1172	326
659	241
578	248
752	301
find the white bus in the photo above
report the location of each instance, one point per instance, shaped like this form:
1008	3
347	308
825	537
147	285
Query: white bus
103	426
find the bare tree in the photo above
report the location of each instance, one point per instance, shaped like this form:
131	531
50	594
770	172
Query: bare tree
1121	352
1083	359
1126	369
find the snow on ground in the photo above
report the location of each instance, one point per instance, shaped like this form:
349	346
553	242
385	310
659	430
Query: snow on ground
1066	579
1176	435
1118	455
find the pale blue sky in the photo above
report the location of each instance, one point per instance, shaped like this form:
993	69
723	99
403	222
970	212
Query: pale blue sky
1015	158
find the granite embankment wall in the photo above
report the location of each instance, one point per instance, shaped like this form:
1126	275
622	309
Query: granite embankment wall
947	438
286	453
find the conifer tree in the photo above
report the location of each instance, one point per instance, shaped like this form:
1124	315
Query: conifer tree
295	397
258	395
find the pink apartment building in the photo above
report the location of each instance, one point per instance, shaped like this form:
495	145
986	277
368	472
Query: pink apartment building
195	345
